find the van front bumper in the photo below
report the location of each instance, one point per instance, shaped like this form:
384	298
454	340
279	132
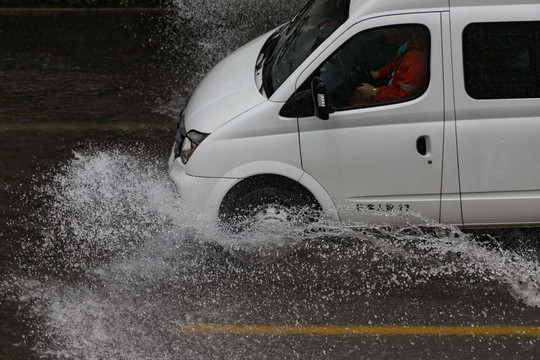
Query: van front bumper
202	194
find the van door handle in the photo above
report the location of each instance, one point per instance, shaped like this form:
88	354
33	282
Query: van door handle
423	145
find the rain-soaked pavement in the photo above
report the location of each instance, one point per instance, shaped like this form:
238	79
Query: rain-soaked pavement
99	258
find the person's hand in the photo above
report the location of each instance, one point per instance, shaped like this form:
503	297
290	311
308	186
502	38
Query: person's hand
375	75
365	91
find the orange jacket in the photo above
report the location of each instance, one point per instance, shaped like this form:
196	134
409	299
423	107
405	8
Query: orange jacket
407	75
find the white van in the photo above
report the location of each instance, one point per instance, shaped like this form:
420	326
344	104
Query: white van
296	117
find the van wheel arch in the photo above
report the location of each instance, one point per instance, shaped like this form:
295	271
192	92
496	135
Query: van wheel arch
261	190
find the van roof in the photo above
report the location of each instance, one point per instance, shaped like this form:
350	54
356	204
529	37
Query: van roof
460	3
360	9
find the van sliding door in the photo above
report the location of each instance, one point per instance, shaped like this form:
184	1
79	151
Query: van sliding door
497	93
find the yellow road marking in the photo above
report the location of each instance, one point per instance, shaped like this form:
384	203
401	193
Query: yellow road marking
481	330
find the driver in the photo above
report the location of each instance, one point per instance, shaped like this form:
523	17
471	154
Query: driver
405	78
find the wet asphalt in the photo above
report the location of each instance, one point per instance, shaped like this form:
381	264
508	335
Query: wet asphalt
69	79
79	81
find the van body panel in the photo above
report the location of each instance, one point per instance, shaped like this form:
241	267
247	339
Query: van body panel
365	9
366	158
258	142
482	3
450	190
202	194
497	139
321	195
227	90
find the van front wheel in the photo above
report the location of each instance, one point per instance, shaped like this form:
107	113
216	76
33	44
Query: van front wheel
267	209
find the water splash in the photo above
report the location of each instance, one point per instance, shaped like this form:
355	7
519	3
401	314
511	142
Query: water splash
105	204
122	262
200	33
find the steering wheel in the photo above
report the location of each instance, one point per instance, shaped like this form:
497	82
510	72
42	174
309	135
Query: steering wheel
364	76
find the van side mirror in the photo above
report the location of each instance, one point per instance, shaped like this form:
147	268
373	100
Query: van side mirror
304	102
299	105
318	92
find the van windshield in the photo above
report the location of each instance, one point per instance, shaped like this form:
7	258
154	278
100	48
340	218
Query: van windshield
308	29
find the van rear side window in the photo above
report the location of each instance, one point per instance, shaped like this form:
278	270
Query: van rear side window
502	60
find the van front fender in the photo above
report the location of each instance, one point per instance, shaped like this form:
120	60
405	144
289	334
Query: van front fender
259	168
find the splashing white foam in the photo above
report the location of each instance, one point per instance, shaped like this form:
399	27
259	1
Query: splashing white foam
144	265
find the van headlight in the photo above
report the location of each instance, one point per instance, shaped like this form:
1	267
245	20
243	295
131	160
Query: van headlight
188	144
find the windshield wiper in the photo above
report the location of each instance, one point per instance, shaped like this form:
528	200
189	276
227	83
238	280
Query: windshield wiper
277	55
291	38
269	47
271	53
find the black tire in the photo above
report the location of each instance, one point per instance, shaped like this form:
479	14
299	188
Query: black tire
270	204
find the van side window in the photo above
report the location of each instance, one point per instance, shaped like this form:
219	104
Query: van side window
502	60
378	66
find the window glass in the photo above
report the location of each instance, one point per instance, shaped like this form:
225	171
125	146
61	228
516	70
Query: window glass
313	25
378	66
502	60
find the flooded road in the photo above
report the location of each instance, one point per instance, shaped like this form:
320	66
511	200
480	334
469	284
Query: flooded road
100	259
